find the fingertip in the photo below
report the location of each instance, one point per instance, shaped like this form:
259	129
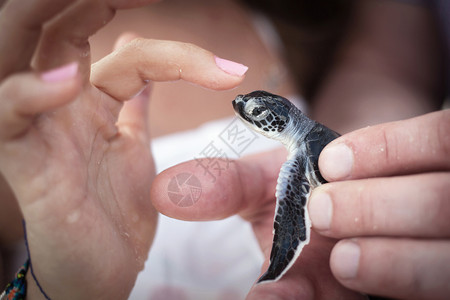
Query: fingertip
336	161
63	73
320	209
409	146
205	69
187	192
144	60
223	187
396	268
230	67
344	260
58	86
53	88
25	95
222	74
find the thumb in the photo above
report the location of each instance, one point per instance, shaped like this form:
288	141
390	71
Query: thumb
246	187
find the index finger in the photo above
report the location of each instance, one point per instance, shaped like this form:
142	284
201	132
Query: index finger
420	144
125	72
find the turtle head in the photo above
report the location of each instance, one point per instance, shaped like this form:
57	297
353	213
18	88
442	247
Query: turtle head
264	112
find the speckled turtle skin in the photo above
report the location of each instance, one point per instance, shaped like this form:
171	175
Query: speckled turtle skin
277	118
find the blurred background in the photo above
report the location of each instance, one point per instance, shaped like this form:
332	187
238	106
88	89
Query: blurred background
347	63
287	46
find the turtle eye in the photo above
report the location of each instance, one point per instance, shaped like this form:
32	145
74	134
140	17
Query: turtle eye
257	111
260	112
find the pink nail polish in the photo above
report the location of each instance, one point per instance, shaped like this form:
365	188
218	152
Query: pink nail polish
230	67
60	74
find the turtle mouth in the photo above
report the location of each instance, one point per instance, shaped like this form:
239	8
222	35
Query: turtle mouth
238	106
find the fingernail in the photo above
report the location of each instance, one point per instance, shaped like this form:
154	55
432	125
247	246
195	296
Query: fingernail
320	210
345	259
60	74
336	161
230	67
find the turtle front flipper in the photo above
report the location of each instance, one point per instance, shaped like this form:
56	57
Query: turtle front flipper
291	223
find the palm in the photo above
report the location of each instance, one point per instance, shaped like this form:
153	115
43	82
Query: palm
78	157
107	169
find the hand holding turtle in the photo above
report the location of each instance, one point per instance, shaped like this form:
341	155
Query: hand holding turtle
389	203
412	206
74	152
247	188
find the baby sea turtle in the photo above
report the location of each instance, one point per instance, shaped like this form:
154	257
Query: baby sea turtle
277	118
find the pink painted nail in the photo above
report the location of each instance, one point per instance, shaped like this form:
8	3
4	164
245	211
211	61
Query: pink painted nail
60	74
230	67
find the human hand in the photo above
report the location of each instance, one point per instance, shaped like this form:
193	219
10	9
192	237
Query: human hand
75	154
247	188
395	224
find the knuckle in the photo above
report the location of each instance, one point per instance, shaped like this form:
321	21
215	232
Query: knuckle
390	146
170	48
371	217
188	48
360	213
134	44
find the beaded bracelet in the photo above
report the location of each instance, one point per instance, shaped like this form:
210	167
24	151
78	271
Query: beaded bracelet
31	265
17	289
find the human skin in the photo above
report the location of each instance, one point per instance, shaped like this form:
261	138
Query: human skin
224	27
75	152
247	188
170	109
396	222
310	283
390	206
